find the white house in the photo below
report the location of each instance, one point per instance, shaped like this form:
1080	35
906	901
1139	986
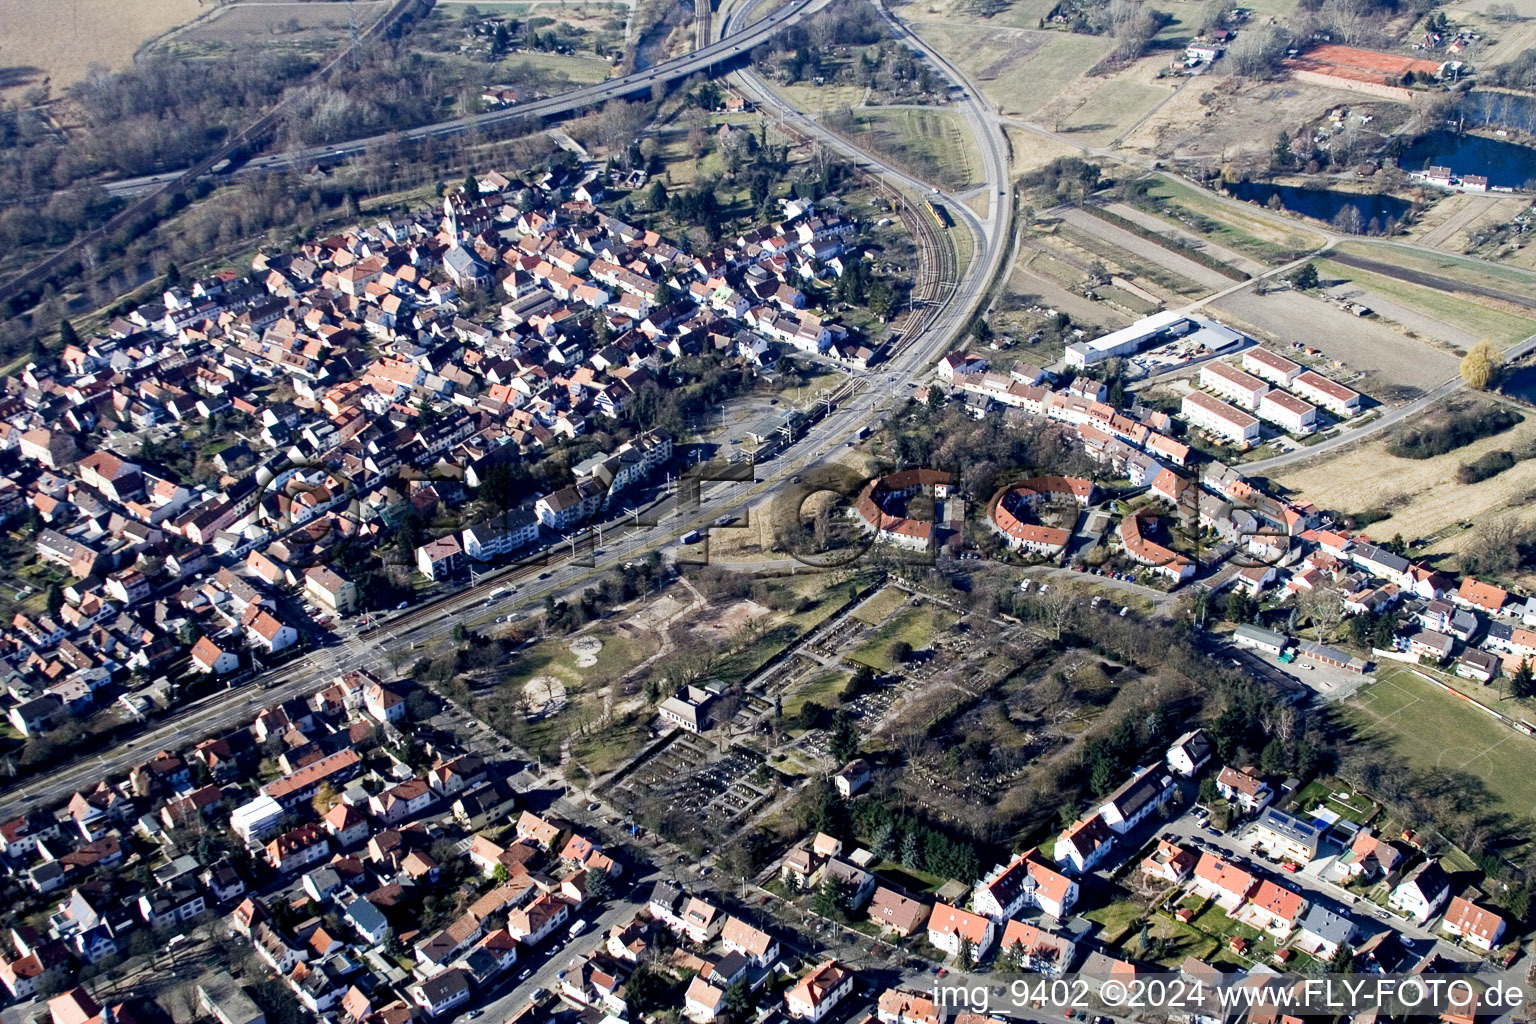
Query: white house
814	996
1242	389
442	993
1217	417
1473	924
949	927
1422	892
1189	753
1288	412
1331	395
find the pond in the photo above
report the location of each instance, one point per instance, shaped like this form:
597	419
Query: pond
1326	204
1504	164
1520	384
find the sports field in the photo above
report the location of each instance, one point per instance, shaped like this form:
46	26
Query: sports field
1429	728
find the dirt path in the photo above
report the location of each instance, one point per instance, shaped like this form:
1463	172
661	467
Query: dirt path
1442	233
1158	255
1153	223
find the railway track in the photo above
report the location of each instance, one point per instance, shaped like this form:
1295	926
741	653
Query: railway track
938	263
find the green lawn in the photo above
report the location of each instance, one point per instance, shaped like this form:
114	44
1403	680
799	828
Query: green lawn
935	145
1113	109
910	879
881	607
601	751
1430	729
581	70
1205	215
1497	325
1115	920
553	656
1335	796
917	625
824	598
1515	280
822	688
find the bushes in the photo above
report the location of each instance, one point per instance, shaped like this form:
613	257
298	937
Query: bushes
1455	428
1486	467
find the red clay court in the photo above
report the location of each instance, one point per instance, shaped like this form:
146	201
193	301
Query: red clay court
1360	65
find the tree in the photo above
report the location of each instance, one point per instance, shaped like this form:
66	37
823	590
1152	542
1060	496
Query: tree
55	598
844	743
736	1007
1305	277
831	899
935	398
1481	367
172	277
599	885
324	799
1521	682
1209	794
67	335
420	704
1102	779
656	195
900	652
965	956
1283	157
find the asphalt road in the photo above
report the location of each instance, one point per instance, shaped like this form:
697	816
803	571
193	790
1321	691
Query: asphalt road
1389	418
731	48
821	443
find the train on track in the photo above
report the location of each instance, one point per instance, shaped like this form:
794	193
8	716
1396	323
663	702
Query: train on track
939	212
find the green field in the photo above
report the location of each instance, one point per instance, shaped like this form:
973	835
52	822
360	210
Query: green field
881	607
1505	278
1335	796
1429	729
1112	110
824	596
1497	325
1021	73
822	689
1205	215
917	625
934	145
583	70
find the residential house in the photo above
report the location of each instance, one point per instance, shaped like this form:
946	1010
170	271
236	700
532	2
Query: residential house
951	928
1084	844
758	947
1323	932
1244	787
1273	908
1028	947
442	993
1189	753
1368	858
1144	794
1422	892
538	920
900	913
1222	881
1169	863
815	995
1286	836
1476	926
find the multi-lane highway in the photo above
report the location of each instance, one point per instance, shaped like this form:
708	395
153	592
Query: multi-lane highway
729	50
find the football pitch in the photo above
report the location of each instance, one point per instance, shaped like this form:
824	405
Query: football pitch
1430	728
